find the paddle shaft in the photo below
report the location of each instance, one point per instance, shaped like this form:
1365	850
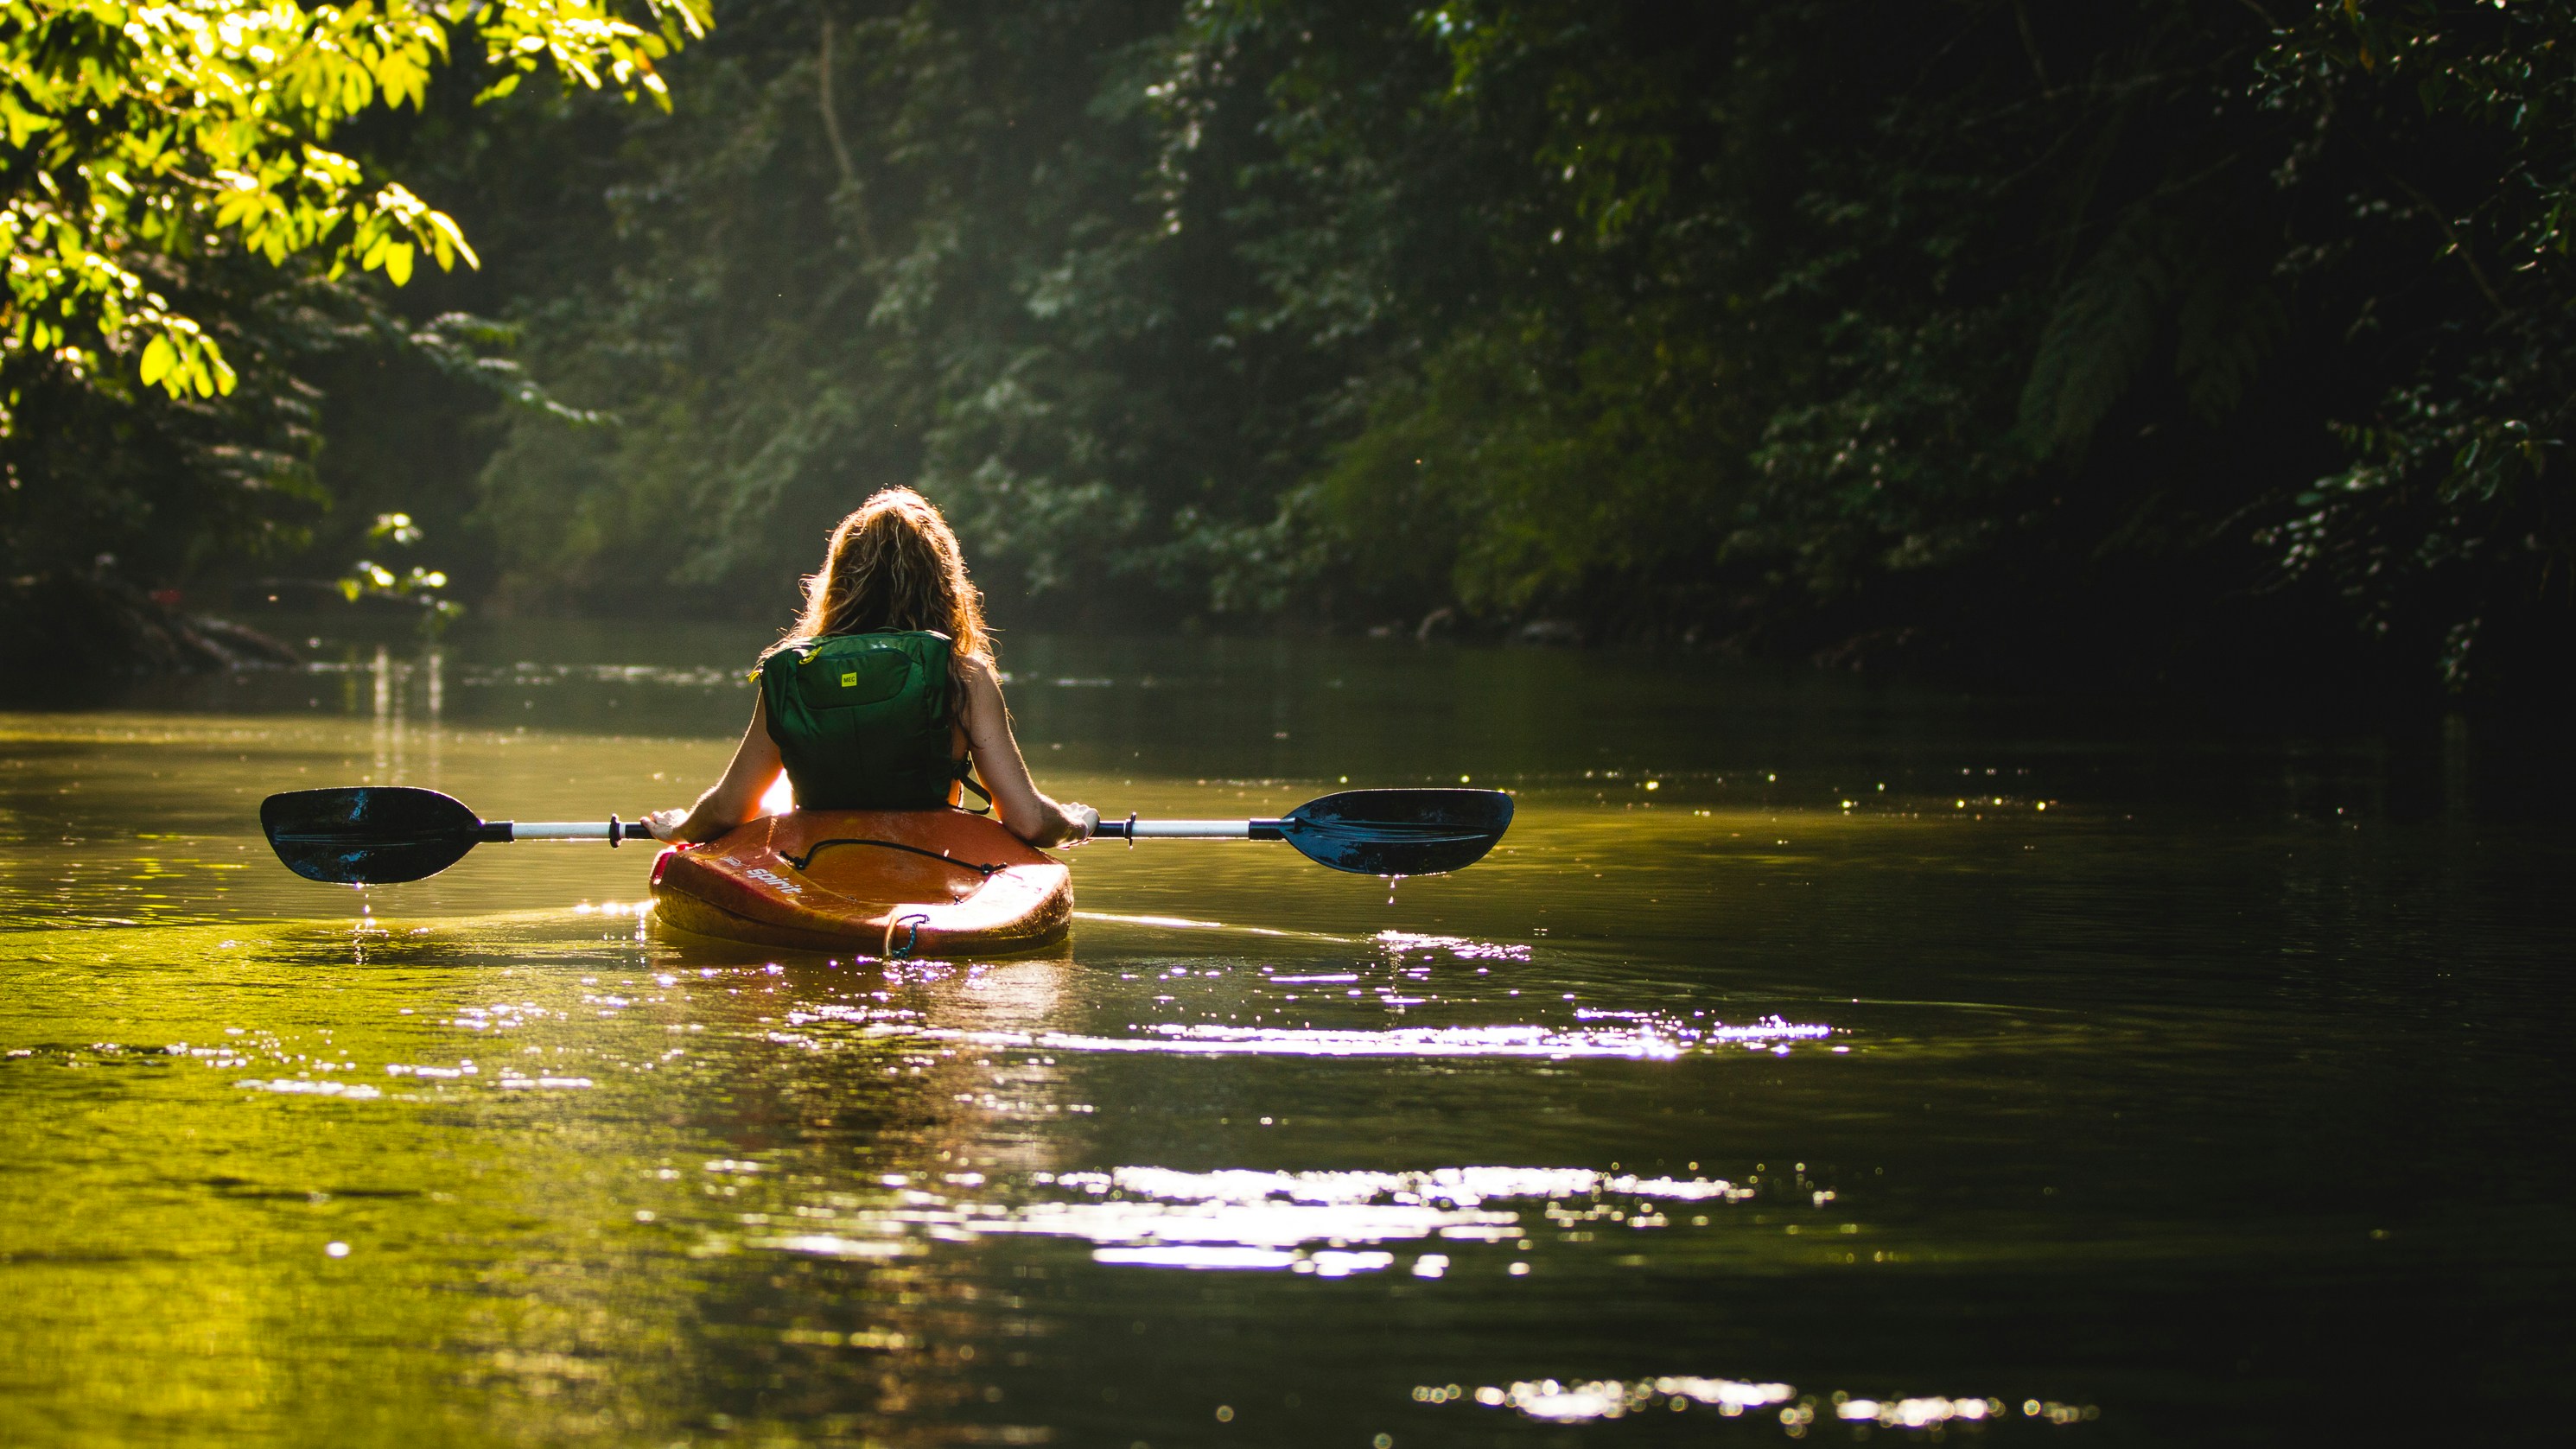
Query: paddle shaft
1132	828
499	831
612	831
1129	829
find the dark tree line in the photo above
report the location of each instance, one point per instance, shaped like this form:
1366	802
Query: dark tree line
2209	340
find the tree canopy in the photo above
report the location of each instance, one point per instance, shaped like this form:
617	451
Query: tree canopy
179	231
158	128
2158	338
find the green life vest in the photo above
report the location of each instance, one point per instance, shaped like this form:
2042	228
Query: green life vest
863	721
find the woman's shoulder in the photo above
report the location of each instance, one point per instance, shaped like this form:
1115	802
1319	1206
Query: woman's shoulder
784	647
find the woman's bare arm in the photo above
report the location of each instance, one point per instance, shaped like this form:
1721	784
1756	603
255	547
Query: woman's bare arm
1029	814
733	799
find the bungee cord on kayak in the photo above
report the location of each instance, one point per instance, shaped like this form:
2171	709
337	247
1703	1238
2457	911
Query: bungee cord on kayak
804	861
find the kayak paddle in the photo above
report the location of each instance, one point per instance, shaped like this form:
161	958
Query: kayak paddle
381	834
384	834
1365	832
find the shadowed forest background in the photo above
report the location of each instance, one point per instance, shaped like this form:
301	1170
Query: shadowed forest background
2208	343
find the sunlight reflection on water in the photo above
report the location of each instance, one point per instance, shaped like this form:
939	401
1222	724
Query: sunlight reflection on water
1450	1041
1573	1401
1241	1218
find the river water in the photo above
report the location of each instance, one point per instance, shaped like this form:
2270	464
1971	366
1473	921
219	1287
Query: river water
1811	1061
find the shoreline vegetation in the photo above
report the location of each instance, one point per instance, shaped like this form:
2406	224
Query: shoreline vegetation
79	626
2217	348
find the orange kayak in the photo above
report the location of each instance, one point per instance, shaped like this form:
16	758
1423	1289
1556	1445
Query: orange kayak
930	883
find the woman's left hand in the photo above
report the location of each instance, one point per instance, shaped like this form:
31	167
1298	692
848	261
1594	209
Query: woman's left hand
1084	820
661	823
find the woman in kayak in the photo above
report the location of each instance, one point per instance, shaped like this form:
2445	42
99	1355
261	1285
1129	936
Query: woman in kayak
884	697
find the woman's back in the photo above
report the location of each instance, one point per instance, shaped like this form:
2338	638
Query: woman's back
866	721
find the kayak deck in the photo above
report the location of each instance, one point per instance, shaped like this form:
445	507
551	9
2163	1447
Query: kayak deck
938	883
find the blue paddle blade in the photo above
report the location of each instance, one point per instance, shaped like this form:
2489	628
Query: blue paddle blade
368	835
1396	832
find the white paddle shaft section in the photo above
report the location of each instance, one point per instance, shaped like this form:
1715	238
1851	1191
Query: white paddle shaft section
608	830
1187	829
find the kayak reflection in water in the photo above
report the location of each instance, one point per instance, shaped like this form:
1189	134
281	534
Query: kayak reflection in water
884	696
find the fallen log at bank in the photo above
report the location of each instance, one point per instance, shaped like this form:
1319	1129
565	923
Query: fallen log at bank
69	626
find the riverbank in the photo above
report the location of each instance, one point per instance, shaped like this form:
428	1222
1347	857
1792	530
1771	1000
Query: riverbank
68	634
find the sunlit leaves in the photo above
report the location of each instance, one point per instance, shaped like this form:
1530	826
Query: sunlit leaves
417	586
182	127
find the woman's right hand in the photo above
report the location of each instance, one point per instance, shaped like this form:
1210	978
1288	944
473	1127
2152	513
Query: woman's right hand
663	823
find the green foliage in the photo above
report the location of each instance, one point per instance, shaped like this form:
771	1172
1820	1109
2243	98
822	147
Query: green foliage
2006	305
2448	527
184	206
418	587
2147	338
970	290
156	129
1507	489
105	475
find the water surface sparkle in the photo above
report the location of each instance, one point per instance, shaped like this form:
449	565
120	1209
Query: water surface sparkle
2206	1095
1240	1218
1208	1039
1578	1401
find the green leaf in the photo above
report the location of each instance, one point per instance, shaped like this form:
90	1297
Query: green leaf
158	358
